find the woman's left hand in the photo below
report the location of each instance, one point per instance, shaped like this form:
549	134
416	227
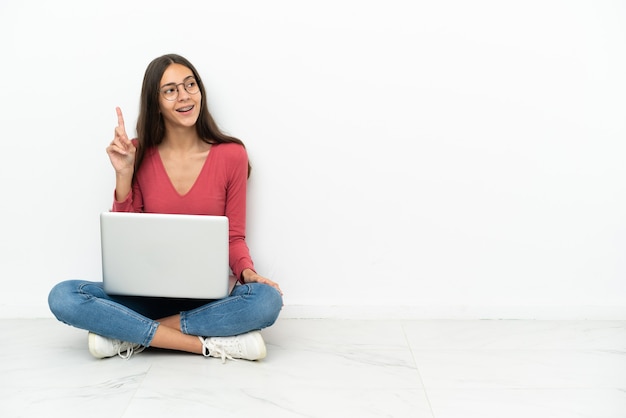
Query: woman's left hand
249	276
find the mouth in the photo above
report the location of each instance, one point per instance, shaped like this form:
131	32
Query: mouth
185	109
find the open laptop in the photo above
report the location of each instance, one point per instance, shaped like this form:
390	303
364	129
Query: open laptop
164	255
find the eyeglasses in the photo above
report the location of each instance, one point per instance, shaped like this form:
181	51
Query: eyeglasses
170	91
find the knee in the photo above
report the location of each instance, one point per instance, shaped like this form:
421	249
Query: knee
61	299
270	304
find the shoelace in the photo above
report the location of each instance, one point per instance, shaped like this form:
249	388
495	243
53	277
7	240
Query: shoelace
126	352
210	348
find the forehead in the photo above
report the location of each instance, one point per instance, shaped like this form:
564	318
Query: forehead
175	73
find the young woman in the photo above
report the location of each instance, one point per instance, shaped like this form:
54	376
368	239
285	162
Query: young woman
180	163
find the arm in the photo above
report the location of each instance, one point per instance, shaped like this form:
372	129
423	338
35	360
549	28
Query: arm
235	209
240	260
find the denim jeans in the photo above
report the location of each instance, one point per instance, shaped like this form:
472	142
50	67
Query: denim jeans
85	305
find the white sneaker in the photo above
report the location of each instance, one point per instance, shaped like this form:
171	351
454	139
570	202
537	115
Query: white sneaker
102	347
248	346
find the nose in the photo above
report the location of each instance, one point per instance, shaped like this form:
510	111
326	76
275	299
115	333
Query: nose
182	92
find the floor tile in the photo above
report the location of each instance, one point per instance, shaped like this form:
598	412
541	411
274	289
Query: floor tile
509	334
515	369
528	403
288	368
337	335
281	402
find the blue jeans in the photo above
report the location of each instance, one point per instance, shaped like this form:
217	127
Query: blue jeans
85	305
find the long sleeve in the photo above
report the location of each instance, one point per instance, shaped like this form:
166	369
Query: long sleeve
132	203
235	210
220	189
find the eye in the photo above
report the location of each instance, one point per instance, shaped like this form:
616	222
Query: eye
168	90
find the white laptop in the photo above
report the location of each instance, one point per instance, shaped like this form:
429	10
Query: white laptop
177	256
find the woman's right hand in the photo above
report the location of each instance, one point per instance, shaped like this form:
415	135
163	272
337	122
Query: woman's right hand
121	150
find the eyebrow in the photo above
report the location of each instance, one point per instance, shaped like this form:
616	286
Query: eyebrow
184	79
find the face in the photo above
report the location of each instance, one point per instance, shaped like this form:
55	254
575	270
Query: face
183	109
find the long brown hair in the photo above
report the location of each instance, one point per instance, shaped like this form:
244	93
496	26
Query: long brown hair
150	124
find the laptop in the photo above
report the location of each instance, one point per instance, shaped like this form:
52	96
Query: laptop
164	255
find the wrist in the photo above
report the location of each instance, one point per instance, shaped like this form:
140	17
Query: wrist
124	174
246	274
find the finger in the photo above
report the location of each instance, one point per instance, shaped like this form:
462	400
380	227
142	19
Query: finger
119	141
116	149
122	144
120	134
260	279
120	119
273	284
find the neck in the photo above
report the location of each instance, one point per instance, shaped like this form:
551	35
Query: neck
180	139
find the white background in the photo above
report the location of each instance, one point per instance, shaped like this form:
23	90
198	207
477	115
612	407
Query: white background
418	158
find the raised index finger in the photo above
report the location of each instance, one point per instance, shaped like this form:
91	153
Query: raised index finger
120	118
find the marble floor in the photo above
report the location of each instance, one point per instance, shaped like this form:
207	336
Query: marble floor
330	368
